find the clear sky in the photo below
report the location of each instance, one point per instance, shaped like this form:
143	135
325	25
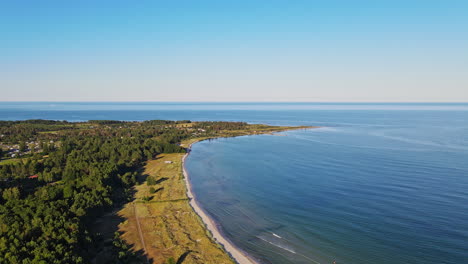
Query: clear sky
234	50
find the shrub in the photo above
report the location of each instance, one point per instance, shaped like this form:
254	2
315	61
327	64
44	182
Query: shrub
146	198
150	181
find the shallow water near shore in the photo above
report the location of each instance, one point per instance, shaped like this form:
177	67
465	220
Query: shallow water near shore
380	183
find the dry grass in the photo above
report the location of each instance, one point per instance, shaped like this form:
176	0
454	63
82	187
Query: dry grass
169	225
185	125
188	142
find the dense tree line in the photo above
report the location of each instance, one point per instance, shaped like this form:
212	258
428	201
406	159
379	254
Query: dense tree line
33	122
20	131
165	122
218	126
15	132
107	122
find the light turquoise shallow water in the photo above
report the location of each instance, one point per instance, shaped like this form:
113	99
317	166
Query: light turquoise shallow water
381	183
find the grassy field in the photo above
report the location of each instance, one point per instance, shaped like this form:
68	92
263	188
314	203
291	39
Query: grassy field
9	161
168	225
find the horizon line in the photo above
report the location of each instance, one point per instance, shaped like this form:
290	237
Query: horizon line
266	102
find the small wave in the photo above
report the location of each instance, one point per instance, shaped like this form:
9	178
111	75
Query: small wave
418	142
284	247
325	129
357	146
277	245
276	235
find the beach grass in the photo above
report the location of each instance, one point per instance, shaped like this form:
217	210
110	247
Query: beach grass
169	226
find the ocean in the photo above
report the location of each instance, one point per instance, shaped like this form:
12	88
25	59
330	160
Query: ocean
377	183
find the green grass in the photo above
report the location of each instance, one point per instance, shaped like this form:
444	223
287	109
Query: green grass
48	132
9	161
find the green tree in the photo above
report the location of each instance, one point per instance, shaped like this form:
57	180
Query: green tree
32	147
11	193
147	198
22	146
68	191
150	181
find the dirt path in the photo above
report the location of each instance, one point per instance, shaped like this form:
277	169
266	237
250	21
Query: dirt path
140	233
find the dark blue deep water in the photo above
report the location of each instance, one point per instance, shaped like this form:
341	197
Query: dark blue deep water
379	183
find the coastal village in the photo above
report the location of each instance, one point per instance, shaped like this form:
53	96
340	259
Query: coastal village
19	150
14	152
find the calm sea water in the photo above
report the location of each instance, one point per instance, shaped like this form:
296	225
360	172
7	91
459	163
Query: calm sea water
379	183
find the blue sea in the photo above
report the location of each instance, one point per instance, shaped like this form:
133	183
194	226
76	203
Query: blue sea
377	183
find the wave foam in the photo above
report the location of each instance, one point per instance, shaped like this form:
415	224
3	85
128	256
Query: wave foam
278	245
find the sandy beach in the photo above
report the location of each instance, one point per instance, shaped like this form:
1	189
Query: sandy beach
239	256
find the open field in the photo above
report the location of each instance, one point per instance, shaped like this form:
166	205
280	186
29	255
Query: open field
9	161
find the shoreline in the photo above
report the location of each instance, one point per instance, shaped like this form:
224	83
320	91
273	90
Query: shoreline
236	253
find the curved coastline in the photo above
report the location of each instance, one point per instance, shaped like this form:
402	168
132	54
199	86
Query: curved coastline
237	254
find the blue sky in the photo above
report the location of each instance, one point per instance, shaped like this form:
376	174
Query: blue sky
234	50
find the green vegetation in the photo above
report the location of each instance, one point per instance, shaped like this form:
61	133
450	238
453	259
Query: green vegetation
9	161
17	131
69	175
